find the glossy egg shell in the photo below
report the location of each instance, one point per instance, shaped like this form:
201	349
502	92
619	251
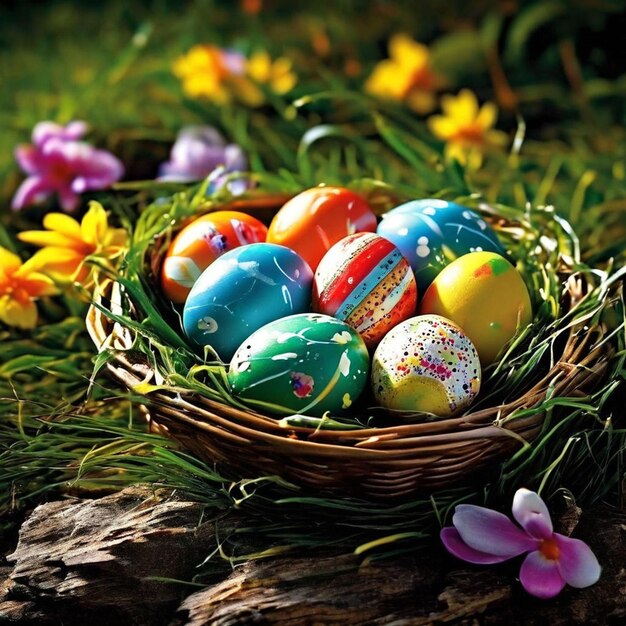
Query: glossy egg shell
365	281
311	222
307	364
202	241
426	363
432	233
241	291
486	296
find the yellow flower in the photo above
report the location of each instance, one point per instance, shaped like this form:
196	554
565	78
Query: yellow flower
66	244
406	75
223	75
466	128
20	285
206	70
277	74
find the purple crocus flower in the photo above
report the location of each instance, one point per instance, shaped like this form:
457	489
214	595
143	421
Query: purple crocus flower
198	152
57	162
483	536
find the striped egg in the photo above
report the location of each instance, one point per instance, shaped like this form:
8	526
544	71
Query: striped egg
365	281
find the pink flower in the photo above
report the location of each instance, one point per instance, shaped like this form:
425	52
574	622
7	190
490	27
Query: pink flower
200	151
484	536
58	163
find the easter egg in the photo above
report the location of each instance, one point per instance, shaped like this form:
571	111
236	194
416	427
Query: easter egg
201	242
241	291
306	364
426	363
365	281
432	233
311	222
486	296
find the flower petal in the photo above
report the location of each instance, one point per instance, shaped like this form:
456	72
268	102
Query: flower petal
44	238
98	170
455	151
532	513
68	199
577	563
259	66
283	82
407	51
48	130
94	224
388	80
490	532
463	107
18	314
37	284
9	262
115	240
63	224
455	545
75	130
442	126
234	158
32	191
28	158
61	261
487	115
540	576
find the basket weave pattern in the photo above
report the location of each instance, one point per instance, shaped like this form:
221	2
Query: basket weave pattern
381	463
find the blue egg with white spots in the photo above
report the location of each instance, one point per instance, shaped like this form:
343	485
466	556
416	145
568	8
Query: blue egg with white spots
432	233
242	290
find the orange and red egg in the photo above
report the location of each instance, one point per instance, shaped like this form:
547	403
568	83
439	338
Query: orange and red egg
314	220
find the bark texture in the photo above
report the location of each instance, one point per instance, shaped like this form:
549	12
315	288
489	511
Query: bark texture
95	562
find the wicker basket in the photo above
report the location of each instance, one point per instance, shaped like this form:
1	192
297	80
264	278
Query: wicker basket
390	462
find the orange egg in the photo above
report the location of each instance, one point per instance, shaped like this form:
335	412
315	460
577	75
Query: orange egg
311	222
198	244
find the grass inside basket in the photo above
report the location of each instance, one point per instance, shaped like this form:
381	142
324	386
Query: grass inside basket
551	372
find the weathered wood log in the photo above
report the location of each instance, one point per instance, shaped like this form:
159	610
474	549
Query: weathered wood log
95	561
92	561
433	588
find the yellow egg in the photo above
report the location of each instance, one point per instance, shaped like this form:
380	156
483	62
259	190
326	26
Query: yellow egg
486	296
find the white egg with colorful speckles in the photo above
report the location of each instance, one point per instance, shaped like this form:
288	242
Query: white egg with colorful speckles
426	364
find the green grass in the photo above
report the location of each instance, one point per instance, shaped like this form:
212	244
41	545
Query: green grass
62	431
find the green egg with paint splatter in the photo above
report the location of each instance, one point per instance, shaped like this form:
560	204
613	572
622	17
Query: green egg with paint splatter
306	363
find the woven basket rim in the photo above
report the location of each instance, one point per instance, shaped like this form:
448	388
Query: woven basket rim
386	461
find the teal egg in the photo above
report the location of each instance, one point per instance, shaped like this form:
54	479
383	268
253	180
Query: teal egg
432	233
241	291
307	364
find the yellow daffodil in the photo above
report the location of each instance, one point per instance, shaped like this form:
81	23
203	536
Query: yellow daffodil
277	74
20	285
466	128
206	71
66	244
223	75
406	75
